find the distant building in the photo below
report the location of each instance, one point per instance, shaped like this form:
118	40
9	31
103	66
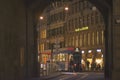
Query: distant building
62	30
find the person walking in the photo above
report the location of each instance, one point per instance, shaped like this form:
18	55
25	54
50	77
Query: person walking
98	67
71	64
87	64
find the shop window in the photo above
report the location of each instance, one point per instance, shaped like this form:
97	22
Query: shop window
41	47
43	34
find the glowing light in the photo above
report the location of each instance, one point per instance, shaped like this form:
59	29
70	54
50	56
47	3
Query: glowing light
77	50
75	64
38	58
98	50
41	17
81	29
102	56
98	61
41	65
83	51
89	51
66	8
93	8
82	61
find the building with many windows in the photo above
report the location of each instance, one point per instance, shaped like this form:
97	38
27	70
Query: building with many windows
60	31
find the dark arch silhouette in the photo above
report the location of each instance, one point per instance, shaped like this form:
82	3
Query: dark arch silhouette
104	6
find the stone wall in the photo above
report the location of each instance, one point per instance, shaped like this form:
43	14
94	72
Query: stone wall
14	39
18	54
116	40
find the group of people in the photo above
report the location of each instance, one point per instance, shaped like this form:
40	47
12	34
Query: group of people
94	66
86	67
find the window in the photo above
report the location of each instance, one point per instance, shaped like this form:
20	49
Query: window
76	41
80	21
42	47
92	19
88	38
85	4
97	37
101	19
73	41
96	18
83	20
81	5
102	37
93	38
75	22
87	20
43	34
85	40
81	38
75	7
68	41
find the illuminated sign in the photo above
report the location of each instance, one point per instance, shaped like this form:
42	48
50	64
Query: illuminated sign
77	50
81	29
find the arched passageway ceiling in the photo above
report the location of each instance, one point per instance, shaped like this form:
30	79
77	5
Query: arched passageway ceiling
39	5
104	6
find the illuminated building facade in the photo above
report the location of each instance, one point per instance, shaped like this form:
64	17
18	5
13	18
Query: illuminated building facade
81	26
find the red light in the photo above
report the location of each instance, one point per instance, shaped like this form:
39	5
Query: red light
74	64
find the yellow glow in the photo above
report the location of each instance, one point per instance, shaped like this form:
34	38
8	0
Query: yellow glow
89	51
81	29
42	47
41	17
66	8
98	61
90	60
38	58
43	34
83	51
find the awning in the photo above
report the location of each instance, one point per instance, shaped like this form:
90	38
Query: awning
46	52
67	51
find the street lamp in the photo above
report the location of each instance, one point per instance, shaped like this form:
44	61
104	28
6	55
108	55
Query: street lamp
66	15
66	8
40	24
39	49
41	17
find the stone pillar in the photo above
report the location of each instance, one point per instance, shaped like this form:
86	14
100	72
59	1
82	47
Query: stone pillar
18	57
12	38
116	40
85	59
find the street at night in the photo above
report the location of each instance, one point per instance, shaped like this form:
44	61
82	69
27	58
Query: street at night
80	76
59	40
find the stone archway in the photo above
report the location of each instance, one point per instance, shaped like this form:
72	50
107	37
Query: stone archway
105	8
16	29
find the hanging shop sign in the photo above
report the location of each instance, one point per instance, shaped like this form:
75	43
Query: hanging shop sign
81	29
